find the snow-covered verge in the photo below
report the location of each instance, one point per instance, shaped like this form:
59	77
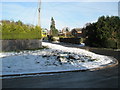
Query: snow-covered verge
56	58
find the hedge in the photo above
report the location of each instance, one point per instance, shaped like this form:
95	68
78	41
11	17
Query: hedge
70	40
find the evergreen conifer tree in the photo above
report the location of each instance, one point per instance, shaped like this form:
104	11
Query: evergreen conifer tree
53	30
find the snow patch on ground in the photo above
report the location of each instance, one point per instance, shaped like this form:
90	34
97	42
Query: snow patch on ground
56	58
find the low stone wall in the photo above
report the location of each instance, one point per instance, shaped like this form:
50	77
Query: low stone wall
13	45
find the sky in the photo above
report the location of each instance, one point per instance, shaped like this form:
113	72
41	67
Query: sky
66	14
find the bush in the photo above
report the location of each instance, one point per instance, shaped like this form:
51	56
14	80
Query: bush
71	40
103	33
15	30
10	36
110	44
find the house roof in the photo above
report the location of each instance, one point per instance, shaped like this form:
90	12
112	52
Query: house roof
79	30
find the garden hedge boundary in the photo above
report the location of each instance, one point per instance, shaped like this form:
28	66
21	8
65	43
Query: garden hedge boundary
70	40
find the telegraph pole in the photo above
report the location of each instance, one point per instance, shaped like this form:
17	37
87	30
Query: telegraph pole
39	8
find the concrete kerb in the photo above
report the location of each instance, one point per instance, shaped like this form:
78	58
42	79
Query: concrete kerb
112	64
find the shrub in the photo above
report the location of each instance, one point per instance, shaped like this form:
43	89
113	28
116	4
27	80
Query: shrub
103	33
14	30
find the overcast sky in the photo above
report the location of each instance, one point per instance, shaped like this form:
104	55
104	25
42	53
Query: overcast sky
66	14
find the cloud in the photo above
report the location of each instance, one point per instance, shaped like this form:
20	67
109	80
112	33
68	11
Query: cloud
13	11
65	14
0	10
76	14
60	0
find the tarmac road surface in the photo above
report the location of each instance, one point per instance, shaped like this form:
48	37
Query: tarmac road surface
104	78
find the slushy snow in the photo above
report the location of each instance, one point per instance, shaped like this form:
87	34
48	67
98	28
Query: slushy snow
56	58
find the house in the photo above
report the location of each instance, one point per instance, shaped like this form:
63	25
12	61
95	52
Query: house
77	32
65	32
